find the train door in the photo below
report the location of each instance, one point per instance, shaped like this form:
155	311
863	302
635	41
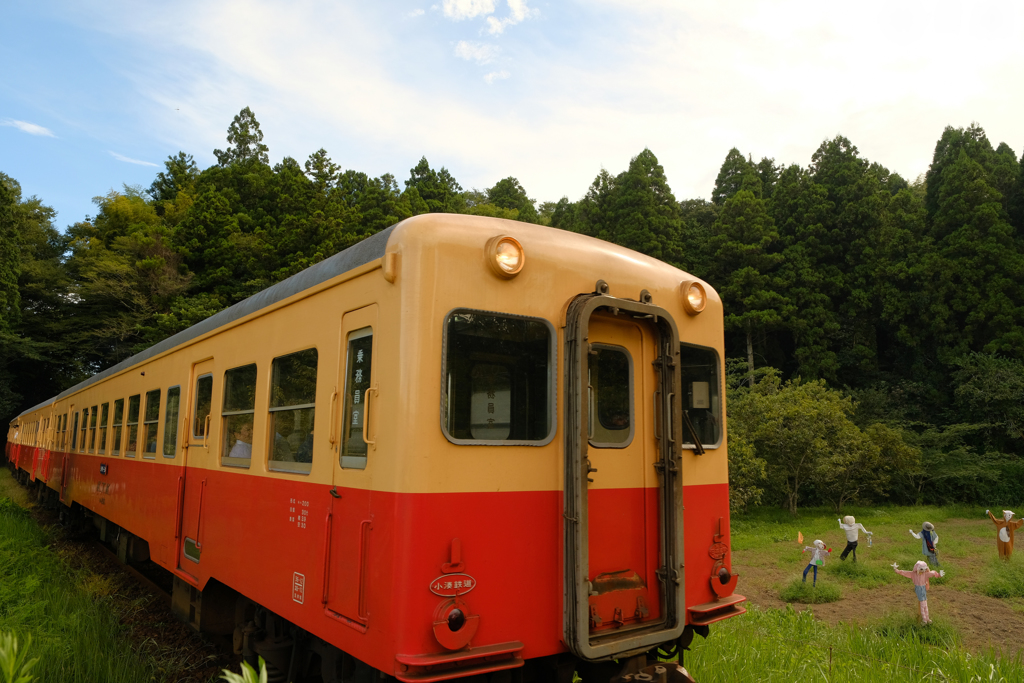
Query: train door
353	436
622	484
191	482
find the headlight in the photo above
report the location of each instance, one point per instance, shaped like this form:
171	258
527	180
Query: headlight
505	256
694	297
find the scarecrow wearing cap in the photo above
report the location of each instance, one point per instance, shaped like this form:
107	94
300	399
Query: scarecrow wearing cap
1004	535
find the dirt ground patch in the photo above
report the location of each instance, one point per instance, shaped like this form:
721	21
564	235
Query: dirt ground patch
983	622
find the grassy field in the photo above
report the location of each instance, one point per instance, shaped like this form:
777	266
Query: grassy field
75	630
867	628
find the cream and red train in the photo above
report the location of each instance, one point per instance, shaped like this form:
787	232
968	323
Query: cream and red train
464	446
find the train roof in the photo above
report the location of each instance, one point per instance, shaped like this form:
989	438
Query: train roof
369	249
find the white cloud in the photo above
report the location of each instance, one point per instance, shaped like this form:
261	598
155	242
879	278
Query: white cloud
481	53
518	12
26	127
496	76
416	13
128	160
467	9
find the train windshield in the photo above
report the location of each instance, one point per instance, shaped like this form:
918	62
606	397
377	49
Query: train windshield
499	379
703	403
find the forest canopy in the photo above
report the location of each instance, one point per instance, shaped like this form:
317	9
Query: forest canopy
878	321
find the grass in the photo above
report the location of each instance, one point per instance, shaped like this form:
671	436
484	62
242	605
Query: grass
74	633
806	592
1002	579
784	645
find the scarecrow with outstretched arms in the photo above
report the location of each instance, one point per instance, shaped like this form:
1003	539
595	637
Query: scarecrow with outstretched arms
1004	535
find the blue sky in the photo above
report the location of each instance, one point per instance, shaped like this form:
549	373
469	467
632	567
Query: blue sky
95	94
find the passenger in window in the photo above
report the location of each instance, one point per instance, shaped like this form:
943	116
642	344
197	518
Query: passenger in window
282	451
305	451
243	442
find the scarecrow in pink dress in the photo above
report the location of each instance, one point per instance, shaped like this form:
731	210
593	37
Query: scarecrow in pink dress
921	576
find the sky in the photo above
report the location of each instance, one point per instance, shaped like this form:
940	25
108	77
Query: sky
97	94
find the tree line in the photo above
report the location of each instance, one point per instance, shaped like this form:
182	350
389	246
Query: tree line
892	310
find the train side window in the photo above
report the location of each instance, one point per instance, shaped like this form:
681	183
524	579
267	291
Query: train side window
204	403
74	432
92	429
359	371
151	423
292	410
700	371
499	374
171	421
237	414
133	426
115	444
104	415
85	429
610	396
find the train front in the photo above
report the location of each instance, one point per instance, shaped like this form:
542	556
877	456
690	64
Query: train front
563	485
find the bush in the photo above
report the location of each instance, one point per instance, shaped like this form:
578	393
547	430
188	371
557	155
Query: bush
808	594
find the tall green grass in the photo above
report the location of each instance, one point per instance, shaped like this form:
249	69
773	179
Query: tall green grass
74	633
784	646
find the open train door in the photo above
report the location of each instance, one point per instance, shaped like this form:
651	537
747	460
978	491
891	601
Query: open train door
623	583
197	423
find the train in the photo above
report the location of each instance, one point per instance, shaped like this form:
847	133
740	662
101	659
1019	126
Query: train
463	448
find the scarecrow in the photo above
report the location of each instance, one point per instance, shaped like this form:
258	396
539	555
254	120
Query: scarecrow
929	539
1004	537
921	576
818	554
852	528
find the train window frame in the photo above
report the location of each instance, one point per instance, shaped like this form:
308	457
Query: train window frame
274	438
117	427
199	421
715	391
226	459
593	407
352	398
93	415
101	446
74	432
551	383
171	421
151	421
85	430
134	403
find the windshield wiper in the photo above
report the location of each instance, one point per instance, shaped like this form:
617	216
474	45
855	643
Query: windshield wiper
698	448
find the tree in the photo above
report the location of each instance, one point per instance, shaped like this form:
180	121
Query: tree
736	173
797	428
441	192
640	212
181	174
10	300
245	142
509	194
746	256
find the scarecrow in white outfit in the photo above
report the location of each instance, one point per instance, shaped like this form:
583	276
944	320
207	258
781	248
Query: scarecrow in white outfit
818	555
921	576
852	528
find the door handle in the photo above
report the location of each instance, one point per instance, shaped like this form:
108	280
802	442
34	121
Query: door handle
366	417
